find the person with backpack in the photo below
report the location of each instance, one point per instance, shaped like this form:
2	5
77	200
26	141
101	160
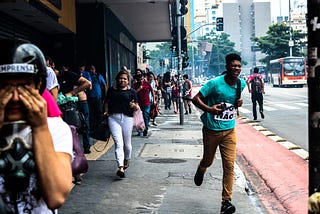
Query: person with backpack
95	97
187	93
219	99
255	85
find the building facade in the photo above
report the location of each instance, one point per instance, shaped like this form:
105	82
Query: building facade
244	19
88	32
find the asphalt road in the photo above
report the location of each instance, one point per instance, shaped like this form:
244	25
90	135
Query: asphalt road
286	113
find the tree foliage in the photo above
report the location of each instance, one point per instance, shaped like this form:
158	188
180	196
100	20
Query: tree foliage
161	51
276	43
221	46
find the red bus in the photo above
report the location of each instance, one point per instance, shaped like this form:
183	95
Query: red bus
288	71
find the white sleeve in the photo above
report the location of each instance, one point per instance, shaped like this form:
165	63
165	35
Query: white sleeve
52	80
61	135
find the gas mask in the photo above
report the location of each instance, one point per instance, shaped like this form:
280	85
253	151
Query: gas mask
16	155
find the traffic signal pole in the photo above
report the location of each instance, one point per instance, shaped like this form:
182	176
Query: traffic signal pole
313	25
179	62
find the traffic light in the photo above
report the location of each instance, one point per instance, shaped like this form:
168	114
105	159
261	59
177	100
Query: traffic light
174	32
219	24
161	63
183	8
185	62
183	34
184	46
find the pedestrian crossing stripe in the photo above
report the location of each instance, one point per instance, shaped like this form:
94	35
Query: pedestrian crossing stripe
275	107
268	108
286	106
302	104
244	110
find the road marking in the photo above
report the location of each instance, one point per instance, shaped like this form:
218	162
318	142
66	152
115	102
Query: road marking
265	108
288	145
244	110
302	104
286	106
268	108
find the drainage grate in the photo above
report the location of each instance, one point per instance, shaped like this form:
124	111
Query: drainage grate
191	141
166	160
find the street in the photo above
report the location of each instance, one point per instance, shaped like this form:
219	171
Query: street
160	178
286	112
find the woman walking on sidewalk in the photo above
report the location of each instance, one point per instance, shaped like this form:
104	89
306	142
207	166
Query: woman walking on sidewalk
218	99
121	102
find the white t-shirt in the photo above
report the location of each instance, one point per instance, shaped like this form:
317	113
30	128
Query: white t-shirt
52	80
26	200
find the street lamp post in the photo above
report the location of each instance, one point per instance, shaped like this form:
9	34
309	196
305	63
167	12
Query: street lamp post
193	67
179	62
187	35
291	43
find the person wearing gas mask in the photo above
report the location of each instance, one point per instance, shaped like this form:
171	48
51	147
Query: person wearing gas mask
35	150
218	99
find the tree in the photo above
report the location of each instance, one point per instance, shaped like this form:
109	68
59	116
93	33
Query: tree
276	43
161	51
221	46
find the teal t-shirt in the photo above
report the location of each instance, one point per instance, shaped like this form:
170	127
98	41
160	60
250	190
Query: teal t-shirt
217	91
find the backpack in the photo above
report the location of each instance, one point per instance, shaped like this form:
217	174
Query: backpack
186	87
256	85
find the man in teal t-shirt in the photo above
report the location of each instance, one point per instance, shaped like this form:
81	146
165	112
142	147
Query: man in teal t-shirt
218	100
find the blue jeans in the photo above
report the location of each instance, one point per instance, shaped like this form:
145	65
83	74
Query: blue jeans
167	100
146	115
84	109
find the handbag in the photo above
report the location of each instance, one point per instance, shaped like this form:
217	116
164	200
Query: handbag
102	132
71	115
138	121
80	163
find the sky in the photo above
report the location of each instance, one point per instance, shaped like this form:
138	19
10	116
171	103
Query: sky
278	7
281	7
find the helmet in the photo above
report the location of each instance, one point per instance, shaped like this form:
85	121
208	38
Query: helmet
19	56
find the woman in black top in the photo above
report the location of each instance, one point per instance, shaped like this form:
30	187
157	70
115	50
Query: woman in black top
122	102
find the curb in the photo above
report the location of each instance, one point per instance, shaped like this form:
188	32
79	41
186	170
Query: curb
99	148
283	142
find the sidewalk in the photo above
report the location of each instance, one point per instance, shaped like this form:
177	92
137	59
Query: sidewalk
160	176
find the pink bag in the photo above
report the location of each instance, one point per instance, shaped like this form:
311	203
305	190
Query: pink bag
138	121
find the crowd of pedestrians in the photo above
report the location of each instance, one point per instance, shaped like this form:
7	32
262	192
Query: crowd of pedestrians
21	93
94	98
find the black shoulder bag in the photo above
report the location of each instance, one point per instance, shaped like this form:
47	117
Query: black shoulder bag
238	95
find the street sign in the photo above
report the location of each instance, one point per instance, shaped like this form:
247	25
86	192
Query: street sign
255	48
291	43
